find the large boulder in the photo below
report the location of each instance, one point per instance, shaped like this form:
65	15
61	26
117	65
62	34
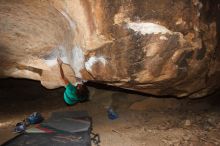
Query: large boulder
161	47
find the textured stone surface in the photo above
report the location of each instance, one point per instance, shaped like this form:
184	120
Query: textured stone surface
158	47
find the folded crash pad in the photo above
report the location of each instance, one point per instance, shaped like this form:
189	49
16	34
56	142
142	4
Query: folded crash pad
70	128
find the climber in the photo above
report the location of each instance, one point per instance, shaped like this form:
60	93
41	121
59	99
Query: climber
73	94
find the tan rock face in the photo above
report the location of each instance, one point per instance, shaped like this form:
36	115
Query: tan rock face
157	47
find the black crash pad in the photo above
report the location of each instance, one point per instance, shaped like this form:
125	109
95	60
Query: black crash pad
62	128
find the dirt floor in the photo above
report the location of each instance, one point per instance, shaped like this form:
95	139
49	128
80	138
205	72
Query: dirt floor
143	120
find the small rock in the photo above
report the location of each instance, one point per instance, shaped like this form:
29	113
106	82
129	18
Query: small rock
211	121
187	123
207	127
143	129
149	131
186	137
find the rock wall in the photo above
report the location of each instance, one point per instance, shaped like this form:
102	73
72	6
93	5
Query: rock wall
158	47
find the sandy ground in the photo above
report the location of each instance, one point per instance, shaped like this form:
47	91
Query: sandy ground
143	120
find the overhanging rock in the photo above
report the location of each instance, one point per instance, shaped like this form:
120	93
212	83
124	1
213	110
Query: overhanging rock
157	47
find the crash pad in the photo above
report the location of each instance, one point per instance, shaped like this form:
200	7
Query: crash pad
69	128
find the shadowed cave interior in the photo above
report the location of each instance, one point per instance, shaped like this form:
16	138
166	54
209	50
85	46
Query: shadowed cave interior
142	118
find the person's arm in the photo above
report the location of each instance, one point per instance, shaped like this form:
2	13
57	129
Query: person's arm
60	62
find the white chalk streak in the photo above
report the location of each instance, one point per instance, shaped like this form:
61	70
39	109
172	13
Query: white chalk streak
60	52
148	28
92	60
163	38
71	23
53	62
78	60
